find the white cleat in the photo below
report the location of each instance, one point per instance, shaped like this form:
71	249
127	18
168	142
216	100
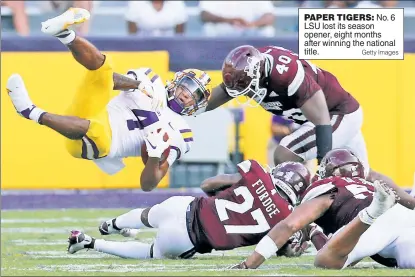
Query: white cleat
18	94
383	199
72	16
78	241
107	228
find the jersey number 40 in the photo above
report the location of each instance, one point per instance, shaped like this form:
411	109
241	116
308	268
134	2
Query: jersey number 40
222	207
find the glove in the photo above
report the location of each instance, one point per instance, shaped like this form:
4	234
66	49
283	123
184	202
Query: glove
155	143
158	96
295	247
155	90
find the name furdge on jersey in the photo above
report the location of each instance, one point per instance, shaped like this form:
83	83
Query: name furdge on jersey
265	198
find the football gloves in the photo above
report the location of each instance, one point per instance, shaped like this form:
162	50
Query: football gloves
155	143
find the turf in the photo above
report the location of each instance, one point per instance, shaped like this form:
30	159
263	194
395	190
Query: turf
34	243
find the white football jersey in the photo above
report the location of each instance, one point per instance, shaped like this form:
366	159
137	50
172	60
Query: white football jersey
131	115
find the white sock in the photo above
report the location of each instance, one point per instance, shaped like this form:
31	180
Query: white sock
124	249
66	36
35	114
132	219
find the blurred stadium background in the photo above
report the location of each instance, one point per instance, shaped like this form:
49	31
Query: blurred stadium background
38	173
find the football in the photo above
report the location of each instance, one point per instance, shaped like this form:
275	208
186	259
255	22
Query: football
144	154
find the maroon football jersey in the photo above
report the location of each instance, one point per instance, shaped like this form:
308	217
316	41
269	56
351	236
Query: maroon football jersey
291	82
350	195
240	215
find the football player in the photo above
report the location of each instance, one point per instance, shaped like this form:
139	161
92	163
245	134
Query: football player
362	216
106	130
276	79
240	211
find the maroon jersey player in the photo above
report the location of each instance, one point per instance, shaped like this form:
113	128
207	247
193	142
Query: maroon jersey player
243	213
343	198
276	79
242	209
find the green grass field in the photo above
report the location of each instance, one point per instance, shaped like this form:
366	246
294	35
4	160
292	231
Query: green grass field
34	243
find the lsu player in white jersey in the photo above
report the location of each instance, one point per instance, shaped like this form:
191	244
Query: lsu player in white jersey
106	130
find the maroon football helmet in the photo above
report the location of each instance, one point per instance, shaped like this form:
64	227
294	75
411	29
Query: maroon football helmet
241	72
341	162
292	178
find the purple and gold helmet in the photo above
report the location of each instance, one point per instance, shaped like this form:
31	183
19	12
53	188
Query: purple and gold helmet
189	92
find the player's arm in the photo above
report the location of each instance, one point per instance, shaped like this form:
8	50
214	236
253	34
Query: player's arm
153	173
405	199
213	185
218	98
313	105
301	217
122	82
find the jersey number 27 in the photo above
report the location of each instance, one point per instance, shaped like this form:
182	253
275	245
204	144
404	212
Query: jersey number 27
223	205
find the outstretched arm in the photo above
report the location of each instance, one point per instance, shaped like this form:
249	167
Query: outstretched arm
301	217
122	82
220	182
218	98
405	200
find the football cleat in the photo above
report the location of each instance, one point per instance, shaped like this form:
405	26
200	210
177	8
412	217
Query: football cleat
107	228
78	241
72	16
384	198
18	94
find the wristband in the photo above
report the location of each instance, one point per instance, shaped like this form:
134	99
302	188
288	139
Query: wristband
324	135
266	247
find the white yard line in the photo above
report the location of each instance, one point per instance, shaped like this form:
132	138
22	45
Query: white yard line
59	230
52	220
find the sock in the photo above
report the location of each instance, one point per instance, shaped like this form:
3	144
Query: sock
66	36
35	114
132	219
124	249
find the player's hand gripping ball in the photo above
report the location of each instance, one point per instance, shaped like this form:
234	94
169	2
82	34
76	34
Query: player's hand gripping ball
156	144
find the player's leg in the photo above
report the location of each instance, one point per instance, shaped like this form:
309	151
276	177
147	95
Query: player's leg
134	219
124	249
300	145
71	127
150	217
93	93
172	230
170	217
343	248
84	52
404	248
